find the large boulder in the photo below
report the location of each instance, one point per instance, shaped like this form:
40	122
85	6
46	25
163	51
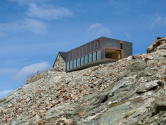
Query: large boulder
156	44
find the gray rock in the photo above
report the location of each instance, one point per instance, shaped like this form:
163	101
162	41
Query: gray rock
164	55
113	114
129	91
99	81
149	86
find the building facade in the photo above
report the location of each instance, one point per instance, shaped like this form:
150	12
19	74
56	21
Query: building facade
101	50
60	62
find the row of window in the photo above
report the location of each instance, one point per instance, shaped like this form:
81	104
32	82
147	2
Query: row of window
84	60
92	46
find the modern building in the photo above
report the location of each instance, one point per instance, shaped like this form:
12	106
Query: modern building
99	51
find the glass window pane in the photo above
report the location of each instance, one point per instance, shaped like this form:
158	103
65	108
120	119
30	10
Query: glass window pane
82	60
86	59
71	64
111	53
118	54
75	64
90	57
98	54
68	66
94	56
78	62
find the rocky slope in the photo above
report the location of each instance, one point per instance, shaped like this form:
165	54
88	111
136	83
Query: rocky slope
129	91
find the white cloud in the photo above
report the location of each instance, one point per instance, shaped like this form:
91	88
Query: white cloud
94	26
34	26
26	1
31	25
48	12
98	29
29	70
8	70
40	9
4	92
159	20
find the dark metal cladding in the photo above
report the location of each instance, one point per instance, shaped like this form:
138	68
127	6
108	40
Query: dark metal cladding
84	49
110	43
116	44
127	49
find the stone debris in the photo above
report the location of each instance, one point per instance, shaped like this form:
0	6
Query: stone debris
148	86
129	91
157	44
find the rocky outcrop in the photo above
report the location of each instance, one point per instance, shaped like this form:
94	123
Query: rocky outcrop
129	91
158	44
42	75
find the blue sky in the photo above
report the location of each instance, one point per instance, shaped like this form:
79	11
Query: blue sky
32	32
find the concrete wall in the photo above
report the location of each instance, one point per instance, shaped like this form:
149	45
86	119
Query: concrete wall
60	64
127	49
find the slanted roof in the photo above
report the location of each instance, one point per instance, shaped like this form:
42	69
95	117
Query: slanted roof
63	54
